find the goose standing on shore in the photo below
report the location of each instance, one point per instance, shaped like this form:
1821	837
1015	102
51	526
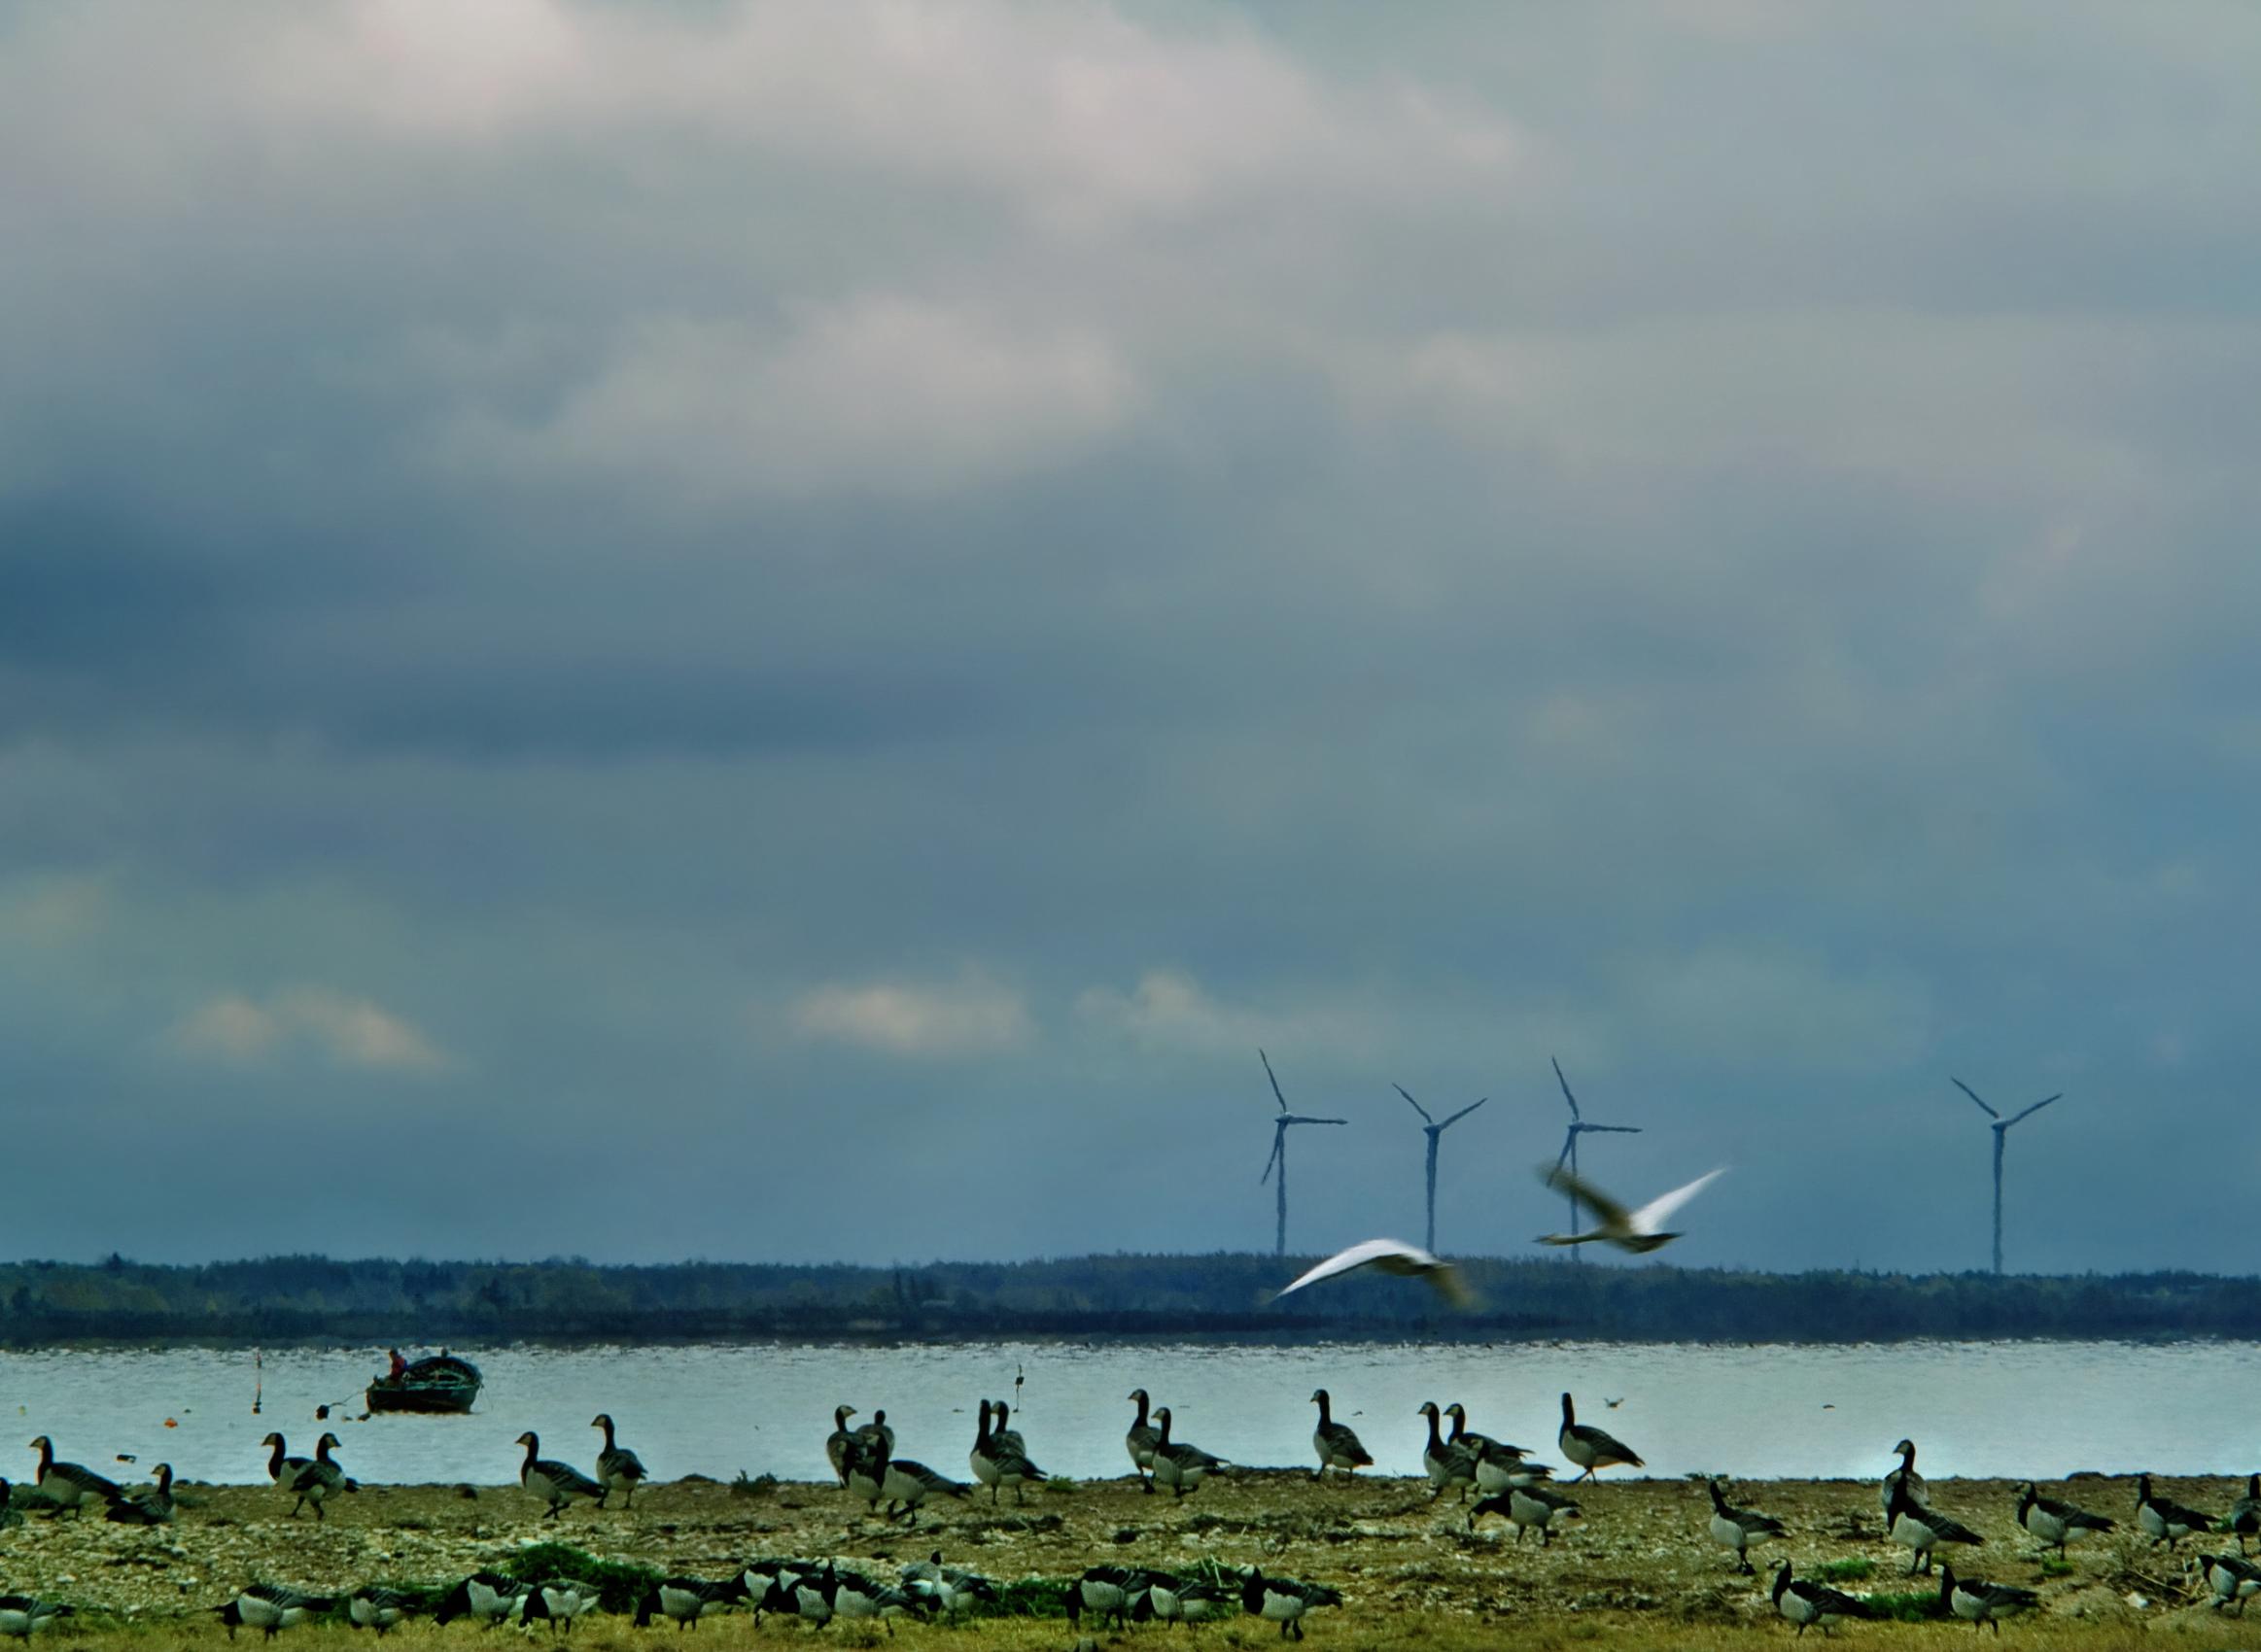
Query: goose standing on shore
1499	1465
70	1485
1337	1443
1180	1467
1737	1529
1446	1463
2244	1518
2163	1520
997	1462
314	1483
1904	1475
373	1606
837	1443
282	1470
1808	1605
1591	1448
488	1597
1920	1530
618	1469
2055	1523
1283	1601
1139	1442
874	1473
1979	1603
556	1483
147	1505
878	1429
562	1604
1528	1509
271	1608
21	1616
2232	1579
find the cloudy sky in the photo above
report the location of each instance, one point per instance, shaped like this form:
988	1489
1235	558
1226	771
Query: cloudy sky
786	631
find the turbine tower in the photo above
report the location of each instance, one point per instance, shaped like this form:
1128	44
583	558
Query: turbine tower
1279	1150
1579	1127
2001	1128
1432	1130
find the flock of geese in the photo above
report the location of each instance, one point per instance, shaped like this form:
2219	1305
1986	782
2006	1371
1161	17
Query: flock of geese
1494	1479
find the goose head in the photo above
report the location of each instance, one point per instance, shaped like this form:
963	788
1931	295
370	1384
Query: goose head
1318	1396
531	1441
274	1440
1905	1450
1162	1422
602	1420
328	1444
1427	1408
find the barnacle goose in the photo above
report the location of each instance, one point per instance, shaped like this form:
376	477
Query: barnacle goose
878	1429
1178	1466
1528	1509
559	1482
618	1469
1139	1443
486	1597
2244	1518
687	1600
1497	1464
1977	1601
377	1609
1388	1256
1592	1448
69	1485
1920	1530
271	1608
1283	1601
1634	1230
562	1602
1904	1475
1807	1603
851	1595
2055	1523
147	1505
2232	1579
947	1588
874	1473
1337	1443
1108	1592
1444	1463
319	1478
282	1470
1189	1600
1737	1529
2163	1520
997	1461
26	1615
837	1443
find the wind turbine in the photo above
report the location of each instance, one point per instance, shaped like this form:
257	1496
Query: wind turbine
1279	1150
2001	1128
1432	1130
1579	1127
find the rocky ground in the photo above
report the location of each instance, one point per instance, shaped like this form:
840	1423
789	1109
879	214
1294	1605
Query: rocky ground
1638	1565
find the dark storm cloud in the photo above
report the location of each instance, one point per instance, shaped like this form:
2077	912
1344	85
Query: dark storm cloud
678	599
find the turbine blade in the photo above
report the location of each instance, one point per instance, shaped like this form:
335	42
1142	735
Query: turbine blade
1279	1142
1565	1083
1417	1107
1614	1129
1463	1112
1306	1118
1567	1142
1973	1094
2035	1108
1268	1073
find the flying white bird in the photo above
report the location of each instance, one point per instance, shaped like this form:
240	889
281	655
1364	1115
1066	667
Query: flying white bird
1629	1230
1390	1256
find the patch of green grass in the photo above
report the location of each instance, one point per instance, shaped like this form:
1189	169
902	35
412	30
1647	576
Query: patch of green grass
1920	1606
1851	1570
2052	1567
1031	1598
619	1583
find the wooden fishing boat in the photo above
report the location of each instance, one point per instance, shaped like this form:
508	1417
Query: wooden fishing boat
441	1384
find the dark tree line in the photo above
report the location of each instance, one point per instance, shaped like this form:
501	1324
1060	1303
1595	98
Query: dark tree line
275	1300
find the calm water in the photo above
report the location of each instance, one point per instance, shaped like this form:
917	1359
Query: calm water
2019	1408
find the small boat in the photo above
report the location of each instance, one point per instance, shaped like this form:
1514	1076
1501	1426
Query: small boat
442	1384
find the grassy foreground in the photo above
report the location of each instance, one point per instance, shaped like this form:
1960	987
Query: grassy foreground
1637	1574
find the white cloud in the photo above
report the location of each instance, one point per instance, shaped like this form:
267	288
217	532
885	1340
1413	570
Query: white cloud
1169	1010
970	1017
351	1031
880	395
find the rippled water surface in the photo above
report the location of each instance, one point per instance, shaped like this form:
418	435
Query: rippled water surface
2012	1409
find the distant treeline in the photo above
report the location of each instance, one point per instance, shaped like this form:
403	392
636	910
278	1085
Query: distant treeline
276	1299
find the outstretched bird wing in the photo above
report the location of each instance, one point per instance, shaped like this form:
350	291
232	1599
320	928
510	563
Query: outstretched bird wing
1564	1181
1653	1216
1390	1256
